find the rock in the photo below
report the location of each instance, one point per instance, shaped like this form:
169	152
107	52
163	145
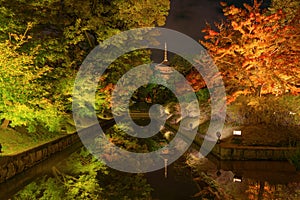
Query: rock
11	170
3	172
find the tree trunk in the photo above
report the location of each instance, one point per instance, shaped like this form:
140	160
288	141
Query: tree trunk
261	190
5	123
258	90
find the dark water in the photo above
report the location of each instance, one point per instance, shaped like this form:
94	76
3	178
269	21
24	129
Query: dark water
255	179
242	179
178	184
13	185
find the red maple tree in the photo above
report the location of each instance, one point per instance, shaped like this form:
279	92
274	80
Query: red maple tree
255	52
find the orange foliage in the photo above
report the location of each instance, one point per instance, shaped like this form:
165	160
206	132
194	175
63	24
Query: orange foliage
195	80
255	52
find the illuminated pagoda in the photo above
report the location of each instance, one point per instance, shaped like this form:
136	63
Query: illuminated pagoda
164	67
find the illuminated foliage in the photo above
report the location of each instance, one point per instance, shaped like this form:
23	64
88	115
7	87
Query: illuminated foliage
191	74
23	99
255	53
289	7
62	34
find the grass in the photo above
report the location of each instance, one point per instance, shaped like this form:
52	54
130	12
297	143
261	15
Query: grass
13	141
266	120
262	135
16	140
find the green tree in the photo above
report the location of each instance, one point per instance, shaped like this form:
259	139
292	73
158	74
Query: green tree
63	33
23	100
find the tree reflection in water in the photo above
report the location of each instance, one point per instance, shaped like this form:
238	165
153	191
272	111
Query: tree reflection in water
219	182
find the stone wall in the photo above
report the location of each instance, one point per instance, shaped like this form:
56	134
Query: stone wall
252	153
14	164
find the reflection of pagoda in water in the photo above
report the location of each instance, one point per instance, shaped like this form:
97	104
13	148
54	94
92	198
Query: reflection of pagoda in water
164	67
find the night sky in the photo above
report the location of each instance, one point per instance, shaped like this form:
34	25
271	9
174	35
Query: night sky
189	16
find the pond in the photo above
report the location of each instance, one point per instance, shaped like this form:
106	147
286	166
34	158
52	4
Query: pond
252	179
182	179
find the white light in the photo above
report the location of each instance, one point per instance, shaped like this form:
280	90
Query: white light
237	180
237	132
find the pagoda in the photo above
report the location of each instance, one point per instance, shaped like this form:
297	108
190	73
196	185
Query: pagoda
164	67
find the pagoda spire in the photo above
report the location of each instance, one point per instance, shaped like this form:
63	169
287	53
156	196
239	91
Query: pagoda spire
164	67
166	53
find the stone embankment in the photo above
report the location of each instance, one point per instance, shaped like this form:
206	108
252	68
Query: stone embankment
228	151
236	152
11	165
